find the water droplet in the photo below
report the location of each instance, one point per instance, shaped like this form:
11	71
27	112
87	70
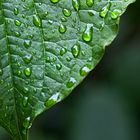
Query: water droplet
50	59
115	14
2	82
25	101
17	34
27	58
16	11
54	1
71	82
37	21
25	90
27	72
68	58
62	28
104	10
53	100
75	50
26	123
17	23
19	72
90	3
27	43
85	70
76	4
63	51
63	19
58	66
50	21
66	12
88	33
91	13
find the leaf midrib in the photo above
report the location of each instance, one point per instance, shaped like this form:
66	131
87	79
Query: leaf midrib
11	72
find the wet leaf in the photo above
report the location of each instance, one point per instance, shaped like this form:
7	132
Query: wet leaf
47	47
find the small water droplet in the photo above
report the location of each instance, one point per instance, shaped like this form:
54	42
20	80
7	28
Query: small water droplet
27	43
17	34
37	21
17	22
91	13
58	66
63	51
85	70
25	90
27	58
71	82
75	50
26	123
115	14
62	28
2	82
27	72
16	11
68	58
25	101
63	19
53	100
19	72
66	12
90	3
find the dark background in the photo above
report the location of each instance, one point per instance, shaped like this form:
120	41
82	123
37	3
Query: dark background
106	106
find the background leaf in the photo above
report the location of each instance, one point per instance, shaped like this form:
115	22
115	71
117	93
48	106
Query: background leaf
46	50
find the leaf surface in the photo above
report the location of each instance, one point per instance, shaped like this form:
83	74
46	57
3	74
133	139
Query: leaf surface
47	47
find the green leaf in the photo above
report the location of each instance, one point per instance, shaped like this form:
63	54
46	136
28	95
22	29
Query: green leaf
47	47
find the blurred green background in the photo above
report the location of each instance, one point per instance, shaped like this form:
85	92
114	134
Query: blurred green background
106	106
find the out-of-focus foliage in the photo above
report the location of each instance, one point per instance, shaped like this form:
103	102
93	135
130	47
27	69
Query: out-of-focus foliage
109	106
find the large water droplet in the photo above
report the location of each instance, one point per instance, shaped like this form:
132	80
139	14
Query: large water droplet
28	72
104	10
88	33
75	50
76	4
71	82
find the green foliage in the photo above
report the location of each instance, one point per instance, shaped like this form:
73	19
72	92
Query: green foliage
47	47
